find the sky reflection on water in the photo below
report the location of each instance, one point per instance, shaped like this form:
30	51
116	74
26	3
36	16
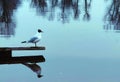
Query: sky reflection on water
75	51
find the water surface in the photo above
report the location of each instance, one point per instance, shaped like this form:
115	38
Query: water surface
75	51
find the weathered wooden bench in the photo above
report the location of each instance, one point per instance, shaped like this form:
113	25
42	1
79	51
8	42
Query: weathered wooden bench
7	58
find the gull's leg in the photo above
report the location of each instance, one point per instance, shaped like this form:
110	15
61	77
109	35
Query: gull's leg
35	44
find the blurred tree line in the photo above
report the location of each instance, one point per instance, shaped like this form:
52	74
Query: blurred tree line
63	10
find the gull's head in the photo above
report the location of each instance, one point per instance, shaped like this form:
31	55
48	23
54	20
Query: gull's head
39	31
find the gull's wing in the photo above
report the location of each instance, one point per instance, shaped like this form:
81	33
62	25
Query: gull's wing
33	39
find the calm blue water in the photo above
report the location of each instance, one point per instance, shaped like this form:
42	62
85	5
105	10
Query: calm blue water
75	52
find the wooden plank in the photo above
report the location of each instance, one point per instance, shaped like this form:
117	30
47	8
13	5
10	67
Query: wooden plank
22	59
21	48
5	54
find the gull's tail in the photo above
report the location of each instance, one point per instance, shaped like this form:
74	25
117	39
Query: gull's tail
24	42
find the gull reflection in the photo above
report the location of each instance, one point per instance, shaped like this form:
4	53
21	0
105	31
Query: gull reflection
35	68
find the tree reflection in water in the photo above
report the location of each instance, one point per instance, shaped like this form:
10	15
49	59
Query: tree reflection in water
7	22
113	16
63	10
66	7
40	5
